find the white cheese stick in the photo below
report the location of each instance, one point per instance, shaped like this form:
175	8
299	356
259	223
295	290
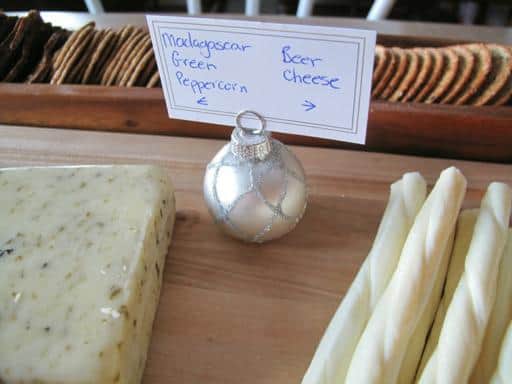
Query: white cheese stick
417	342
330	362
380	351
498	322
467	316
82	252
503	372
464	233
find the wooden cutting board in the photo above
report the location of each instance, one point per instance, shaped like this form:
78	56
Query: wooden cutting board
233	313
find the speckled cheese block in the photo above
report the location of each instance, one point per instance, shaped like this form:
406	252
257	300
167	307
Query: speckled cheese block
82	251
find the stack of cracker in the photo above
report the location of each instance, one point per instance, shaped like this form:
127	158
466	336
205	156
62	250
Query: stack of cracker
32	51
26	44
106	57
36	52
469	74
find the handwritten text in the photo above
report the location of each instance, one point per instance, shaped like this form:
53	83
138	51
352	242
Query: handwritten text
199	86
294	76
205	47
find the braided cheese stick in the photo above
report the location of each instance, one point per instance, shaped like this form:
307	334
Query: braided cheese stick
333	354
416	344
503	373
465	227
468	313
500	316
380	351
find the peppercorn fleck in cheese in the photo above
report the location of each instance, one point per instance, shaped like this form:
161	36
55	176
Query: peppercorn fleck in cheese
82	251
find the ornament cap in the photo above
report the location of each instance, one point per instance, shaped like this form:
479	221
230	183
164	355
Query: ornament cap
250	143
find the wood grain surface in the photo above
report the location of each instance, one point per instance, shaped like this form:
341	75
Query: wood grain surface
230	312
460	132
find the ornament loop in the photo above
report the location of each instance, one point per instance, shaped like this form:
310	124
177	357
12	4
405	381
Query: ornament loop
253	131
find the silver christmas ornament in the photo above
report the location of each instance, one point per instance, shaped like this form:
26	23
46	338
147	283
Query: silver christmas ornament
255	187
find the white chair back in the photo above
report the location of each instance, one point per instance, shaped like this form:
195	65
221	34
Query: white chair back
380	8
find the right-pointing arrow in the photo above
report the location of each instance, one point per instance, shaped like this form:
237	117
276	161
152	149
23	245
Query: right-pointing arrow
309	105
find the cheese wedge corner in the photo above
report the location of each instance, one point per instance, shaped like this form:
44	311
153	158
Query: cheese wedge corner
82	252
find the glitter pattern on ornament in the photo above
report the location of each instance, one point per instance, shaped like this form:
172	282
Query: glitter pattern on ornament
255	198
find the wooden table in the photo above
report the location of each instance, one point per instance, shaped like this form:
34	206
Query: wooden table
230	312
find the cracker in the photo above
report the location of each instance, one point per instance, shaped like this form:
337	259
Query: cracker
110	53
479	73
425	65
447	78
76	74
153	80
123	52
43	69
70	52
126	62
66	50
386	76
147	72
99	51
381	62
106	64
130	36
139	68
32	44
504	94
411	74
73	56
377	61
397	77
10	47
497	77
435	75
133	60
103	60
466	64
22	25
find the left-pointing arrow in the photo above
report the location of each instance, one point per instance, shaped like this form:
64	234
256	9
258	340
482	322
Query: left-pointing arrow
202	101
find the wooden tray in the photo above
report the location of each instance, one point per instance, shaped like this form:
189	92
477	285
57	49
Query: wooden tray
230	312
418	129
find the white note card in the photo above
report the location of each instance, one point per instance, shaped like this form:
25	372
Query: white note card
305	80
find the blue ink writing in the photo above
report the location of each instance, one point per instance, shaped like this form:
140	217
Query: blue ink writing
309	105
200	86
205	47
178	62
293	76
297	59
